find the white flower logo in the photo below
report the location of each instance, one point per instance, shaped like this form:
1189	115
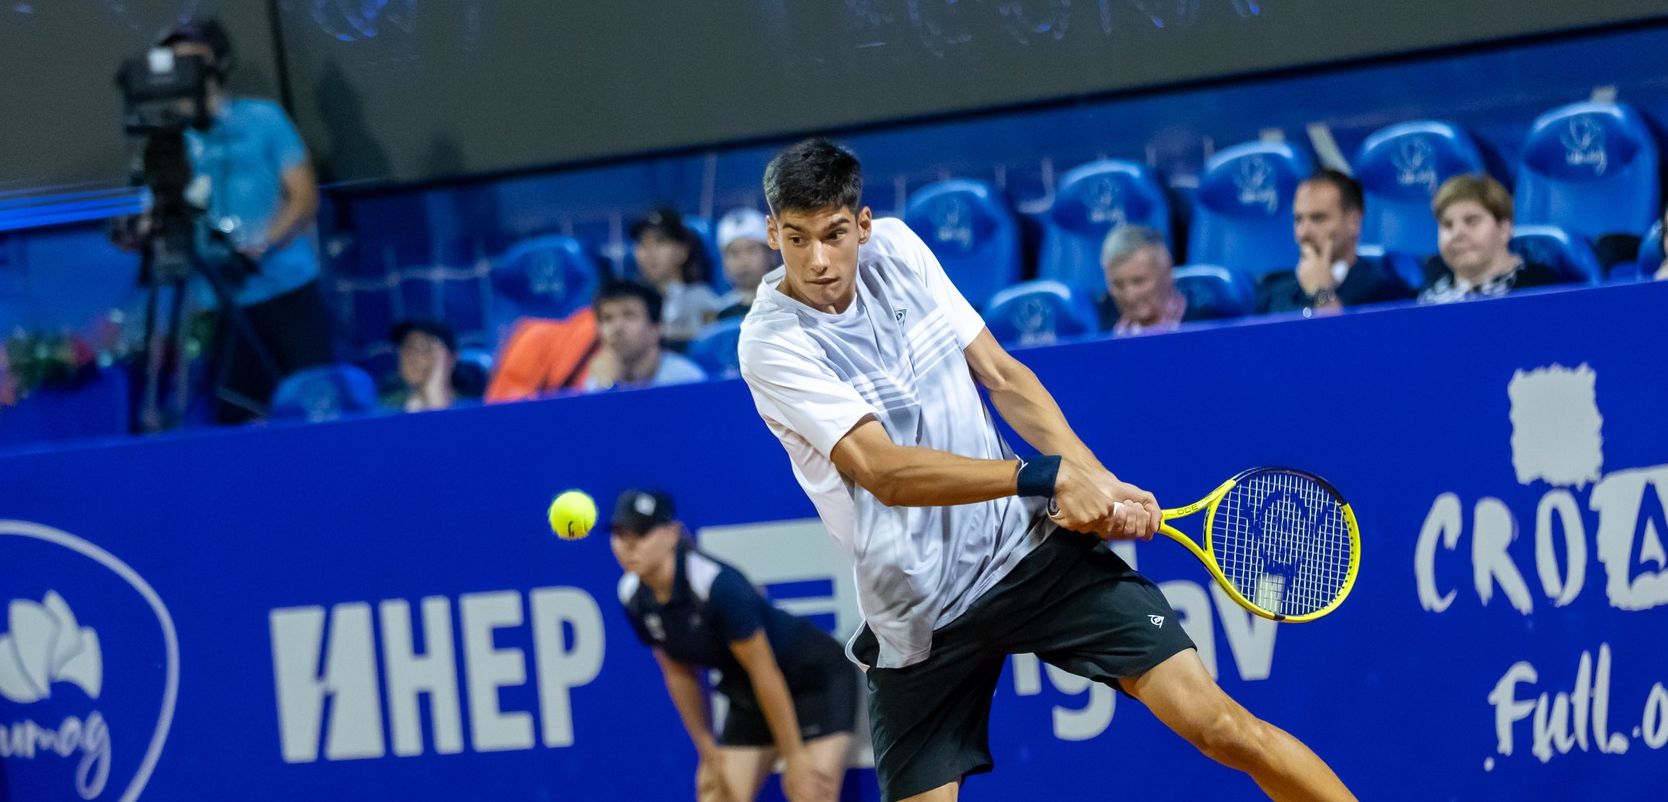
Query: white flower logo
45	645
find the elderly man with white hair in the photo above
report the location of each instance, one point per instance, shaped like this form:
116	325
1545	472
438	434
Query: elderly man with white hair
1141	295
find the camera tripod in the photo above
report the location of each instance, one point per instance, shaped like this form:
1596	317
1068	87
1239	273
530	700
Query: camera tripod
170	259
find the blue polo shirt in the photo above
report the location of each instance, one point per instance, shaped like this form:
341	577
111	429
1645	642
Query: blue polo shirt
243	157
711	606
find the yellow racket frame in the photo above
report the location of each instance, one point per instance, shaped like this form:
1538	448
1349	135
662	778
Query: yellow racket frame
1204	552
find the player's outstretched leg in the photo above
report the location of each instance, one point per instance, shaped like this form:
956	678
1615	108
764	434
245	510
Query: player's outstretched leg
1183	696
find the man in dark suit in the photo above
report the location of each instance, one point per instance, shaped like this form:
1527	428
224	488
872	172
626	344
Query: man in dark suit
1326	218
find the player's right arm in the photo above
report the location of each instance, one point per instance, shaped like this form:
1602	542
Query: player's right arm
913	476
910	476
684	686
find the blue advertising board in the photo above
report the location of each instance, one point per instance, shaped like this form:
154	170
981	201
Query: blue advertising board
375	608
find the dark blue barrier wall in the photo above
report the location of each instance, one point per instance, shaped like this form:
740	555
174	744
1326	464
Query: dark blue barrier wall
1507	461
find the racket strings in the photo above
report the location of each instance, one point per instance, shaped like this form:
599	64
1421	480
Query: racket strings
1282	540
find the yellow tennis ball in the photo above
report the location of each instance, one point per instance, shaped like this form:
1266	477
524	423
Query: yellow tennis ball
572	514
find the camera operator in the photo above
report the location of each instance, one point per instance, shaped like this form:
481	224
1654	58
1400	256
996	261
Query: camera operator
254	179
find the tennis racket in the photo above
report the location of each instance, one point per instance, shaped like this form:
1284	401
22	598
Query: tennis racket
1283	543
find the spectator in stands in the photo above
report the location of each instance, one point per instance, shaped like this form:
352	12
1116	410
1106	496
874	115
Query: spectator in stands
742	240
1141	296
428	360
1330	275
544	356
261	184
629	326
671	259
1474	235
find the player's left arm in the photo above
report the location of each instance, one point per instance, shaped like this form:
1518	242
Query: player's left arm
1022	400
1015	391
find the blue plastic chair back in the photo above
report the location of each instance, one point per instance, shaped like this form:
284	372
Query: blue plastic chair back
1560	250
1242	214
548	277
1038	313
1090	201
1650	258
1407	267
1214	293
1590	168
472	373
715	348
324	393
971	230
1400	168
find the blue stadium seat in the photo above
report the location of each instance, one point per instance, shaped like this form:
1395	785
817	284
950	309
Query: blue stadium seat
480	357
1399	168
548	277
1408	267
1242	217
1569	254
1649	261
324	393
715	348
1591	168
1039	312
1090	201
472	372
1214	293
970	228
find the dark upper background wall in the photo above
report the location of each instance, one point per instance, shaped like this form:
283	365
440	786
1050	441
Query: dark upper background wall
441	89
414	91
60	111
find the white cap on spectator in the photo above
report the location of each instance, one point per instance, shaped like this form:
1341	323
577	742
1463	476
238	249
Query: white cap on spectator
741	224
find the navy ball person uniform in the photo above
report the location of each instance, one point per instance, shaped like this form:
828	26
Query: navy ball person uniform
713	605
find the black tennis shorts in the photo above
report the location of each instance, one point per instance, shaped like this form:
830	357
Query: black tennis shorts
824	690
1075	605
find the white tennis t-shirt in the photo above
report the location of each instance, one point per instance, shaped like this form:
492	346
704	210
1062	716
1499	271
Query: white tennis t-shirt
896	354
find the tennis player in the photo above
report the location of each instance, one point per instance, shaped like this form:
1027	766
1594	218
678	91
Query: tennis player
865	362
791	692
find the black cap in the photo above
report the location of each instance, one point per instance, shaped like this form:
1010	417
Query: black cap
204	32
666	221
433	328
637	511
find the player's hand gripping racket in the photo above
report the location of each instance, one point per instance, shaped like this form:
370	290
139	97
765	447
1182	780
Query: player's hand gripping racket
1283	543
